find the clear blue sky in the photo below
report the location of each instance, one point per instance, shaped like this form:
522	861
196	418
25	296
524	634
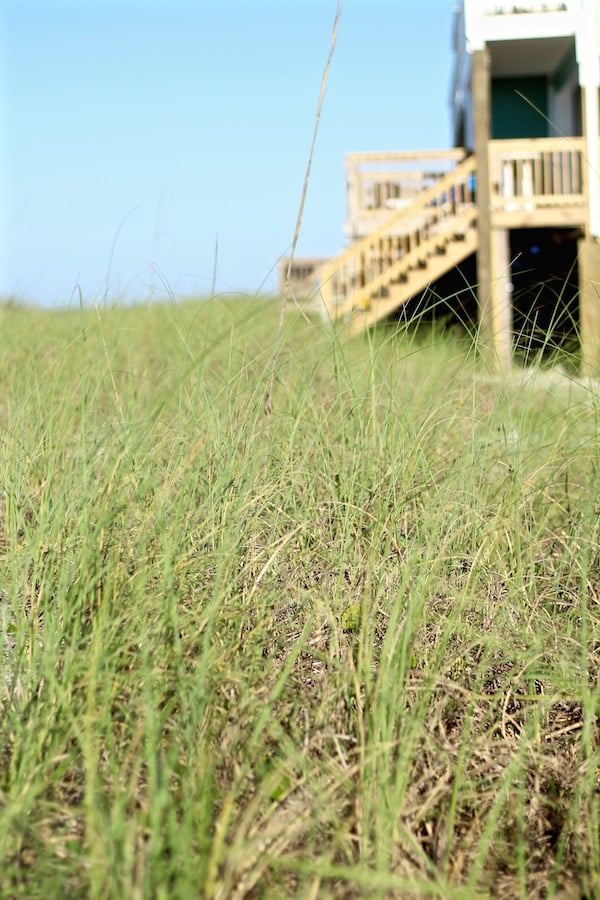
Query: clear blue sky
136	131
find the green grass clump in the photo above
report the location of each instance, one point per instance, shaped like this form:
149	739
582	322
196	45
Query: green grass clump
350	648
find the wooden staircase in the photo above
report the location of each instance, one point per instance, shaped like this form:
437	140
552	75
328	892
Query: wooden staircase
411	249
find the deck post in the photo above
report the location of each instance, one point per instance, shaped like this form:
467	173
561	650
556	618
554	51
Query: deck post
500	293
589	246
589	306
493	266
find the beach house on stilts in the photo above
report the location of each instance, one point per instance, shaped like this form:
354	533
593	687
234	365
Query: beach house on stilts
518	195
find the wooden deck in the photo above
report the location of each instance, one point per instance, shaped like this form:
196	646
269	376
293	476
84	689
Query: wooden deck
380	183
413	216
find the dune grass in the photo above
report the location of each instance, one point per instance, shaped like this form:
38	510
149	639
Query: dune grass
351	649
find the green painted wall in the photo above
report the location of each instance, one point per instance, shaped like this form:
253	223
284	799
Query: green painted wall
514	117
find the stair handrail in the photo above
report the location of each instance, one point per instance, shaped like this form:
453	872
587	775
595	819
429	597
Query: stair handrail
422	201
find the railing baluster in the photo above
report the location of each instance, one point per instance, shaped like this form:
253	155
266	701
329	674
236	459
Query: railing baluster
537	176
555	174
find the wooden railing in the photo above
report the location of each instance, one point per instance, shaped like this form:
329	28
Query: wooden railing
372	262
537	173
540	182
379	182
301	275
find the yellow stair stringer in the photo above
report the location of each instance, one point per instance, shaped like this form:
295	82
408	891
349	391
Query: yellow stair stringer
418	279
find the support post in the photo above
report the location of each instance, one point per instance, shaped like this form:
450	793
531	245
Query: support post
589	306
501	297
493	266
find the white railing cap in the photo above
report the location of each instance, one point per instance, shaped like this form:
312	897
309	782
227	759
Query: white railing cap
502	7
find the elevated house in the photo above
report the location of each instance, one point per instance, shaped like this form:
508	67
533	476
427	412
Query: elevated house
516	202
